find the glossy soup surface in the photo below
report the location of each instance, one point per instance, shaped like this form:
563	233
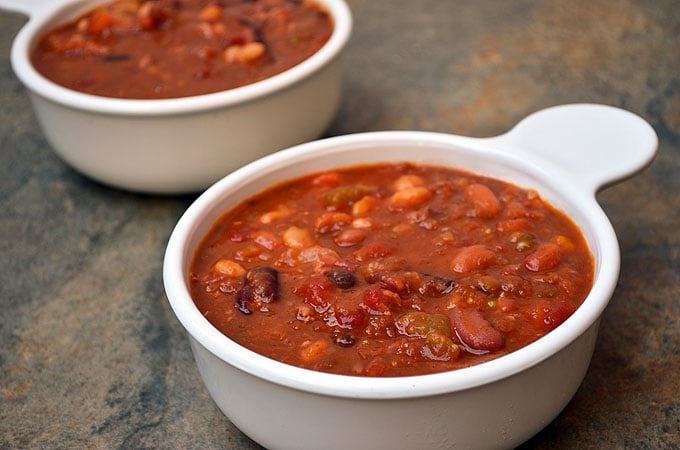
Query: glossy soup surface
390	270
142	49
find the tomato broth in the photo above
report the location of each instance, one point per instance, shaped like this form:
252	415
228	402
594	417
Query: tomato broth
391	269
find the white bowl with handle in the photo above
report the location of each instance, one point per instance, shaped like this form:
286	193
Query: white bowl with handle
184	144
567	153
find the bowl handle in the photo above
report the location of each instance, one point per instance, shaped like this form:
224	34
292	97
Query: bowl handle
595	145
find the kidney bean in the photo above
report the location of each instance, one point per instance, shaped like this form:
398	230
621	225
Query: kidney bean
261	286
249	252
474	330
331	221
295	237
483	200
548	314
471	258
99	22
327	179
565	243
245	53
365	205
350	237
373	250
371	270
547	256
281	212
242	299
342	278
210	13
364	223
229	268
509	225
409	198
408	181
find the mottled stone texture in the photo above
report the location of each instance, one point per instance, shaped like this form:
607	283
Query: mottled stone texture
92	356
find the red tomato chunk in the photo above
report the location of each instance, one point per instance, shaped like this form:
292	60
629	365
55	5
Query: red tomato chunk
391	270
151	49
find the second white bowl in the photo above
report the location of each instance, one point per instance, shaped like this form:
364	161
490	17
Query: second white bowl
184	144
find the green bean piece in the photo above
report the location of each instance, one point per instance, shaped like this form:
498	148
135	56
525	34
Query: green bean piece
346	195
418	323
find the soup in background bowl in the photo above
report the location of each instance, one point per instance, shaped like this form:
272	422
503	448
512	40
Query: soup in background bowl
174	144
167	49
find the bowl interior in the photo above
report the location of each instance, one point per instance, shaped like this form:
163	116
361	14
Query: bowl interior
431	148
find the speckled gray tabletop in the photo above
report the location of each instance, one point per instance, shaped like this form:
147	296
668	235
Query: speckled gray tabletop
91	355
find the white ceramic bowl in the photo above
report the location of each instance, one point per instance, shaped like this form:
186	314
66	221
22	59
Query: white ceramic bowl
184	144
567	153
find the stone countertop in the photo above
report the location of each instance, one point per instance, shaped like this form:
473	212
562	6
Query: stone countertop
93	357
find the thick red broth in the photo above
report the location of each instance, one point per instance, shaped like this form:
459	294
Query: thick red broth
142	49
390	270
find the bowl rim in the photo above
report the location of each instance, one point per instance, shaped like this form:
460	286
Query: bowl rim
604	243
41	22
